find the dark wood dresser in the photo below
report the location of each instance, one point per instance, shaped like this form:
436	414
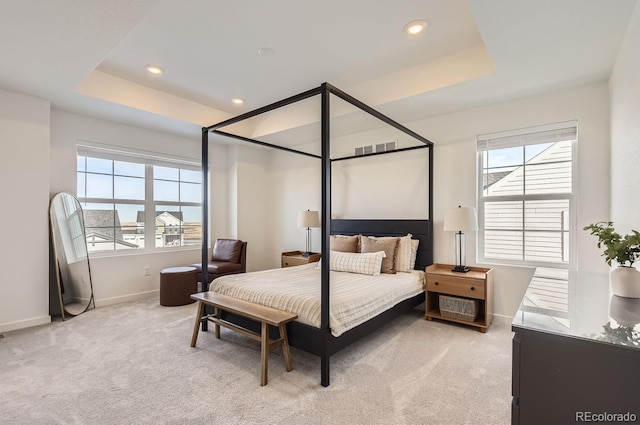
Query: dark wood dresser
576	352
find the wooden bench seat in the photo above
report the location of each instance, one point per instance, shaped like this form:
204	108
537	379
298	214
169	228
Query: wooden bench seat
263	314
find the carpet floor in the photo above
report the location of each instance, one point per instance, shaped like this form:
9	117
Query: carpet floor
131	363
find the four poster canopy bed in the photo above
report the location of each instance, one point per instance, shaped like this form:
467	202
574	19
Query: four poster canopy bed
361	282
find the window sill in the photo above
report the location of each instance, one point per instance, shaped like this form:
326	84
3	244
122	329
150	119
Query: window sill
126	253
524	265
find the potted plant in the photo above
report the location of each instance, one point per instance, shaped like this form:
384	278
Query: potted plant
625	251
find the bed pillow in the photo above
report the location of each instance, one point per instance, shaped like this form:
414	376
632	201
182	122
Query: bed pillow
414	253
352	262
403	257
390	247
344	243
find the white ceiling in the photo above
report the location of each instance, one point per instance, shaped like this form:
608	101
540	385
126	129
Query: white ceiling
88	56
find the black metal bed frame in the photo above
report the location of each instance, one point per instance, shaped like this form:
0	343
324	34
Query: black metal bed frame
327	342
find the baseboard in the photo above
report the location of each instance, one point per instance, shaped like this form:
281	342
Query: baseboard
21	324
502	318
126	298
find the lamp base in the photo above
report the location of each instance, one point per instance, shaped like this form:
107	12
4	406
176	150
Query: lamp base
460	269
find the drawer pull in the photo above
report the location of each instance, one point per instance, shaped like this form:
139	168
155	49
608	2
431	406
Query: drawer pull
436	283
473	288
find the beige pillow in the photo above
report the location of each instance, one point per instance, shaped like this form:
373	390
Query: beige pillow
353	262
344	243
403	255
388	245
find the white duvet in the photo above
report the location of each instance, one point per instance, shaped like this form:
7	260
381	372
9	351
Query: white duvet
355	298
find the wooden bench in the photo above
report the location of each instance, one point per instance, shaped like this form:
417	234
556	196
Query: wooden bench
263	314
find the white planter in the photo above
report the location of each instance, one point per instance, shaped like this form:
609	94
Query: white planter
625	282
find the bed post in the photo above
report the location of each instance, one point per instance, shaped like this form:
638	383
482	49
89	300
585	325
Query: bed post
430	207
205	209
205	216
326	231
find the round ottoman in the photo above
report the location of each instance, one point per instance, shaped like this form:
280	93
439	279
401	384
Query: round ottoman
177	284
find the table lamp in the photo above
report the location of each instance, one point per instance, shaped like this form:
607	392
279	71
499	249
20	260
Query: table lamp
460	220
308	219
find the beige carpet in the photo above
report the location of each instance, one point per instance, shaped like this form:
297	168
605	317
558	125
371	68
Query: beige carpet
132	364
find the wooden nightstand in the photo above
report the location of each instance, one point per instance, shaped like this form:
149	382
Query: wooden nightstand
295	258
477	284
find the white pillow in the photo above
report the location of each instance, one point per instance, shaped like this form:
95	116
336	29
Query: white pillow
403	259
414	253
368	263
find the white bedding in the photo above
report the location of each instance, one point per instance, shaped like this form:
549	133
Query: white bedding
355	298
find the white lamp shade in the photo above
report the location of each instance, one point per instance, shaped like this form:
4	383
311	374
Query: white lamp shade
461	219
308	219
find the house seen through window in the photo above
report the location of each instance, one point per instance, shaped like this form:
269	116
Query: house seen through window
138	201
526	196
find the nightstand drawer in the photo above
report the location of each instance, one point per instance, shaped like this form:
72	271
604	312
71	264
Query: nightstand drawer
296	258
455	286
293	261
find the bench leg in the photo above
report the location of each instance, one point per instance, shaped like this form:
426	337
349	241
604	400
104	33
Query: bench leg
216	326
285	347
264	353
196	327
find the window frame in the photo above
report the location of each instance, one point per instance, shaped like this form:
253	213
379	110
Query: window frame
570	197
149	160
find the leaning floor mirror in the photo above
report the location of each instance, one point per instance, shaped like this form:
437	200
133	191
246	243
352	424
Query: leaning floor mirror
71	289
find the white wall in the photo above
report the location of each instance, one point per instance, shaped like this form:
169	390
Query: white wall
370	188
251	202
121	277
295	185
454	136
24	189
219	193
386	186
625	131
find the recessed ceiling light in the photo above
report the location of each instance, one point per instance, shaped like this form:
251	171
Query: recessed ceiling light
154	69
237	100
266	51
415	27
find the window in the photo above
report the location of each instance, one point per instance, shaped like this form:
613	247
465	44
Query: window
525	196
133	200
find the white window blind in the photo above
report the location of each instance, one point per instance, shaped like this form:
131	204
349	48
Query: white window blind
525	195
531	136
